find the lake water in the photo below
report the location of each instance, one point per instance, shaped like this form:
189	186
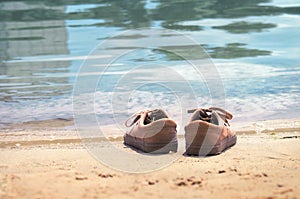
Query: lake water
44	48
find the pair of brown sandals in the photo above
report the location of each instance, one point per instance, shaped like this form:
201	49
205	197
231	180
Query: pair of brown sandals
207	133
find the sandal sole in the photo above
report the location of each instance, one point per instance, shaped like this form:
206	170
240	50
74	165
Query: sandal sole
206	150
153	148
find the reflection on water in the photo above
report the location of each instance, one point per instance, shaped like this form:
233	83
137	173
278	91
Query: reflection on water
43	44
29	29
231	50
246	27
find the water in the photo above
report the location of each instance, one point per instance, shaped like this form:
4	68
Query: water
253	44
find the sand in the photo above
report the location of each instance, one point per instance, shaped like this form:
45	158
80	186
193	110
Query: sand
54	163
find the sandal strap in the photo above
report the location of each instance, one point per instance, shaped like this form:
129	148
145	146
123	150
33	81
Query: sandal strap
205	117
137	117
222	112
225	114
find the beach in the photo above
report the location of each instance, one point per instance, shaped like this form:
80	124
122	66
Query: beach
36	164
72	72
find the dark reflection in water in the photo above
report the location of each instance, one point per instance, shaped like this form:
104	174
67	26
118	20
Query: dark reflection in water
245	27
235	50
135	14
19	19
231	50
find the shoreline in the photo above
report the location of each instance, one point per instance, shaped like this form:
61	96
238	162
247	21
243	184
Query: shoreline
63	131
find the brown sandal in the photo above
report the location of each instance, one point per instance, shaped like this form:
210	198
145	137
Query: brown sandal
208	132
154	132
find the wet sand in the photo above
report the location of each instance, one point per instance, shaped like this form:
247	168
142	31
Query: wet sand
53	163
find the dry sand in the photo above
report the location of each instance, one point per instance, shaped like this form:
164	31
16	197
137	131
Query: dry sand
37	163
